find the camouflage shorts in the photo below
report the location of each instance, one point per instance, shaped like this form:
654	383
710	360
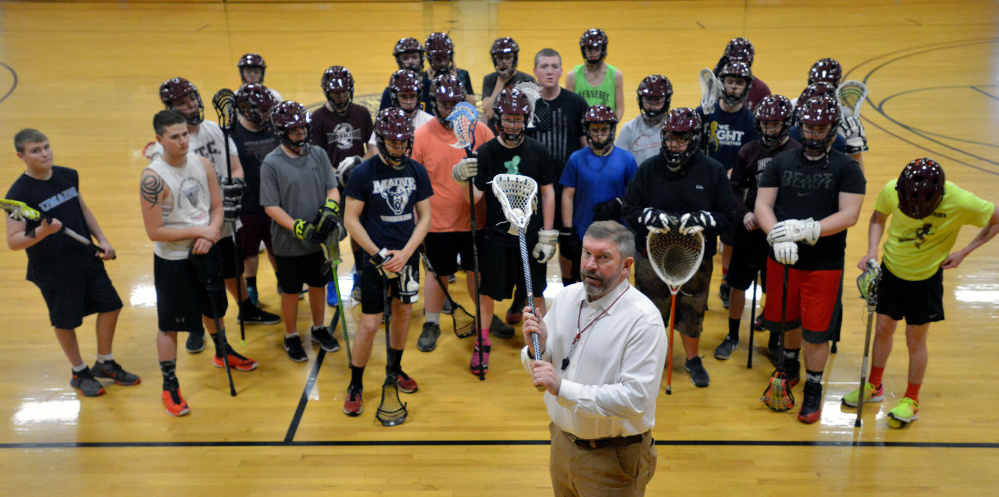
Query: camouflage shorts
691	300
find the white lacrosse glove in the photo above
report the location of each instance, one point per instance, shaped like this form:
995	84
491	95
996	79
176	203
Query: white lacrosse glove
786	253
657	219
544	250
465	169
695	222
795	230
343	170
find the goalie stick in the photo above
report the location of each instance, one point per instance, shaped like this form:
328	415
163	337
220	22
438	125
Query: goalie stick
21	212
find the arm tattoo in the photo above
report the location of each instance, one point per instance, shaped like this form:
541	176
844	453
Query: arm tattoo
150	189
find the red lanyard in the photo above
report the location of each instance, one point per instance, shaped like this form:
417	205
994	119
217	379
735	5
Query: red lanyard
579	332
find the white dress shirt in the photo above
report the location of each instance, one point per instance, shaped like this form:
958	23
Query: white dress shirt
611	384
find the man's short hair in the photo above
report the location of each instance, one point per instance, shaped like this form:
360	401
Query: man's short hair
615	232
166	118
547	52
26	136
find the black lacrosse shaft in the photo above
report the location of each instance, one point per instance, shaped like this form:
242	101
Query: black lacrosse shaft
221	343
752	322
475	273
235	238
863	366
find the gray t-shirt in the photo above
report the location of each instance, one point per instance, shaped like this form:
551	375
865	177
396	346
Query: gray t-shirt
642	140
297	185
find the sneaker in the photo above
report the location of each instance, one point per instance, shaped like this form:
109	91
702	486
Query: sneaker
355	292
293	346
515	313
758	324
85	382
499	329
195	342
906	411
476	366
256	315
174	403
451	278
353	406
331	293
792	371
698	375
113	370
405	383
811	407
236	361
871	394
325	339
428	337
724	292
728	345
448	308
251	292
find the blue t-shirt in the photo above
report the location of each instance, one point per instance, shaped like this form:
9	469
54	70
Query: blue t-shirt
390	198
839	144
725	133
596	180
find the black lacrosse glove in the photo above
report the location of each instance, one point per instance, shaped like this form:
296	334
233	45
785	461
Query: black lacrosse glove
379	260
569	244
307	231
607	211
657	219
232	198
329	221
208	267
694	222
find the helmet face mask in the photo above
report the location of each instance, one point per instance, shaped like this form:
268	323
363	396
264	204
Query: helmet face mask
681	134
818	118
505	53
773	111
254	103
338	86
252	68
408	54
293	126
440	52
405	88
510	112
920	188
652	91
394	137
736	79
446	91
593	46
182	96
600	124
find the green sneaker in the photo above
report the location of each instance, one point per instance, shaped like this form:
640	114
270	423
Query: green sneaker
906	411
871	394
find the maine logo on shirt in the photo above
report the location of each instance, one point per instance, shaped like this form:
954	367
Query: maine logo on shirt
58	199
396	192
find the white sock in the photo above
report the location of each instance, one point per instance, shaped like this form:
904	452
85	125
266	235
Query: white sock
81	367
104	358
434	317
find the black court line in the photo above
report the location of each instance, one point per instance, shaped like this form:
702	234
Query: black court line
12	73
983	92
309	383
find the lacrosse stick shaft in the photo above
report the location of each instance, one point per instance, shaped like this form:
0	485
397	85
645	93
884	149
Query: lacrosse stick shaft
221	343
783	323
475	273
669	348
535	341
341	311
752	322
863	366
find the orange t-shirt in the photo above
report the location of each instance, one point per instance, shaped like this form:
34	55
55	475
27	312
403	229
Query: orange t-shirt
432	148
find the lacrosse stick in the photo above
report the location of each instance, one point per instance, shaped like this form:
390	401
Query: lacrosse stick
532	91
778	396
208	267
391	411
710	90
675	258
851	95
463	118
467	327
752	319
224	102
19	211
331	251
867	283
515	194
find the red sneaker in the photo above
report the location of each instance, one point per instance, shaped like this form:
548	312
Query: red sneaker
405	383
480	367
353	406
174	403
236	362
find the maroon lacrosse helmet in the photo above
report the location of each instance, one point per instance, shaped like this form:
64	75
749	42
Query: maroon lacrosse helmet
440	51
684	123
593	38
408	45
290	115
445	87
176	88
654	85
337	79
827	71
503	46
736	69
405	80
394	124
511	102
251	60
774	108
741	50
818	111
920	188
255	103
595	115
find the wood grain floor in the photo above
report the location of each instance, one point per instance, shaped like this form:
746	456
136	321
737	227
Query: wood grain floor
87	76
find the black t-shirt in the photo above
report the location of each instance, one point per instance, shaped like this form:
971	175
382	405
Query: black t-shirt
489	85
752	160
341	137
425	104
57	258
702	187
558	126
529	159
252	147
810	189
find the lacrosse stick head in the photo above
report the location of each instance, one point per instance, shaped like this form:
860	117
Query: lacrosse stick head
778	396
19	211
516	195
532	91
868	282
391	411
675	257
463	118
710	90
851	95
178	93
224	103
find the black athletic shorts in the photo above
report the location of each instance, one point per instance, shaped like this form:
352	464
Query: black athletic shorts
749	257
256	228
918	302
373	287
227	247
181	299
444	248
293	271
502	267
728	236
69	302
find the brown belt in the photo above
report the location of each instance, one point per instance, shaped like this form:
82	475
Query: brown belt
603	443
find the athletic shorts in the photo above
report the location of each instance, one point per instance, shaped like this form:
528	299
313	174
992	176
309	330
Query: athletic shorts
749	255
691	300
293	271
918	302
502	268
373	287
181	299
728	236
812	290
230	268
68	303
443	249
256	228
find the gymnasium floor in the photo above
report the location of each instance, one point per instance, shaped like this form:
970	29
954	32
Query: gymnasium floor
87	75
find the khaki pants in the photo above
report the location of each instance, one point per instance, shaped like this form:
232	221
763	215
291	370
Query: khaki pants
623	471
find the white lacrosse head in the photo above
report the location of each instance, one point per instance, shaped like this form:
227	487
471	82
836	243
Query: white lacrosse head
532	91
516	194
675	257
710	90
463	119
851	94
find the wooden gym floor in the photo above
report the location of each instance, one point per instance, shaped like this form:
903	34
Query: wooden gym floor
87	76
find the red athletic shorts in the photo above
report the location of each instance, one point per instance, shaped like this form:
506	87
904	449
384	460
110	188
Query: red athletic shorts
811	297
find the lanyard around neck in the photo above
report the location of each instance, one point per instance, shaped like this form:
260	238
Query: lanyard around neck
579	332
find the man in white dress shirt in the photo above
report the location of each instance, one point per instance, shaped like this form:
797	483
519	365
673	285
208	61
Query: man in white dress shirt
601	396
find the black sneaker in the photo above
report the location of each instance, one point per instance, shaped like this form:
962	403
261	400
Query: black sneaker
325	339
698	375
758	324
448	308
293	346
428	337
113	370
725	349
811	407
256	315
195	342
499	329
792	371
724	292
85	382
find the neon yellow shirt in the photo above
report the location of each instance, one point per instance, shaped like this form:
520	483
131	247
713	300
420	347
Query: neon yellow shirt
915	248
603	94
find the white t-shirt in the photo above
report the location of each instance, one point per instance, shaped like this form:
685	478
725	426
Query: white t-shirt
642	140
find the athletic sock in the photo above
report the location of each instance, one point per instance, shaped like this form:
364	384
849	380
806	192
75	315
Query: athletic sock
876	375
724	273
792	354
912	391
169	370
104	358
356	375
80	367
251	281
394	359
218	349
484	333
433	317
813	377
733	328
